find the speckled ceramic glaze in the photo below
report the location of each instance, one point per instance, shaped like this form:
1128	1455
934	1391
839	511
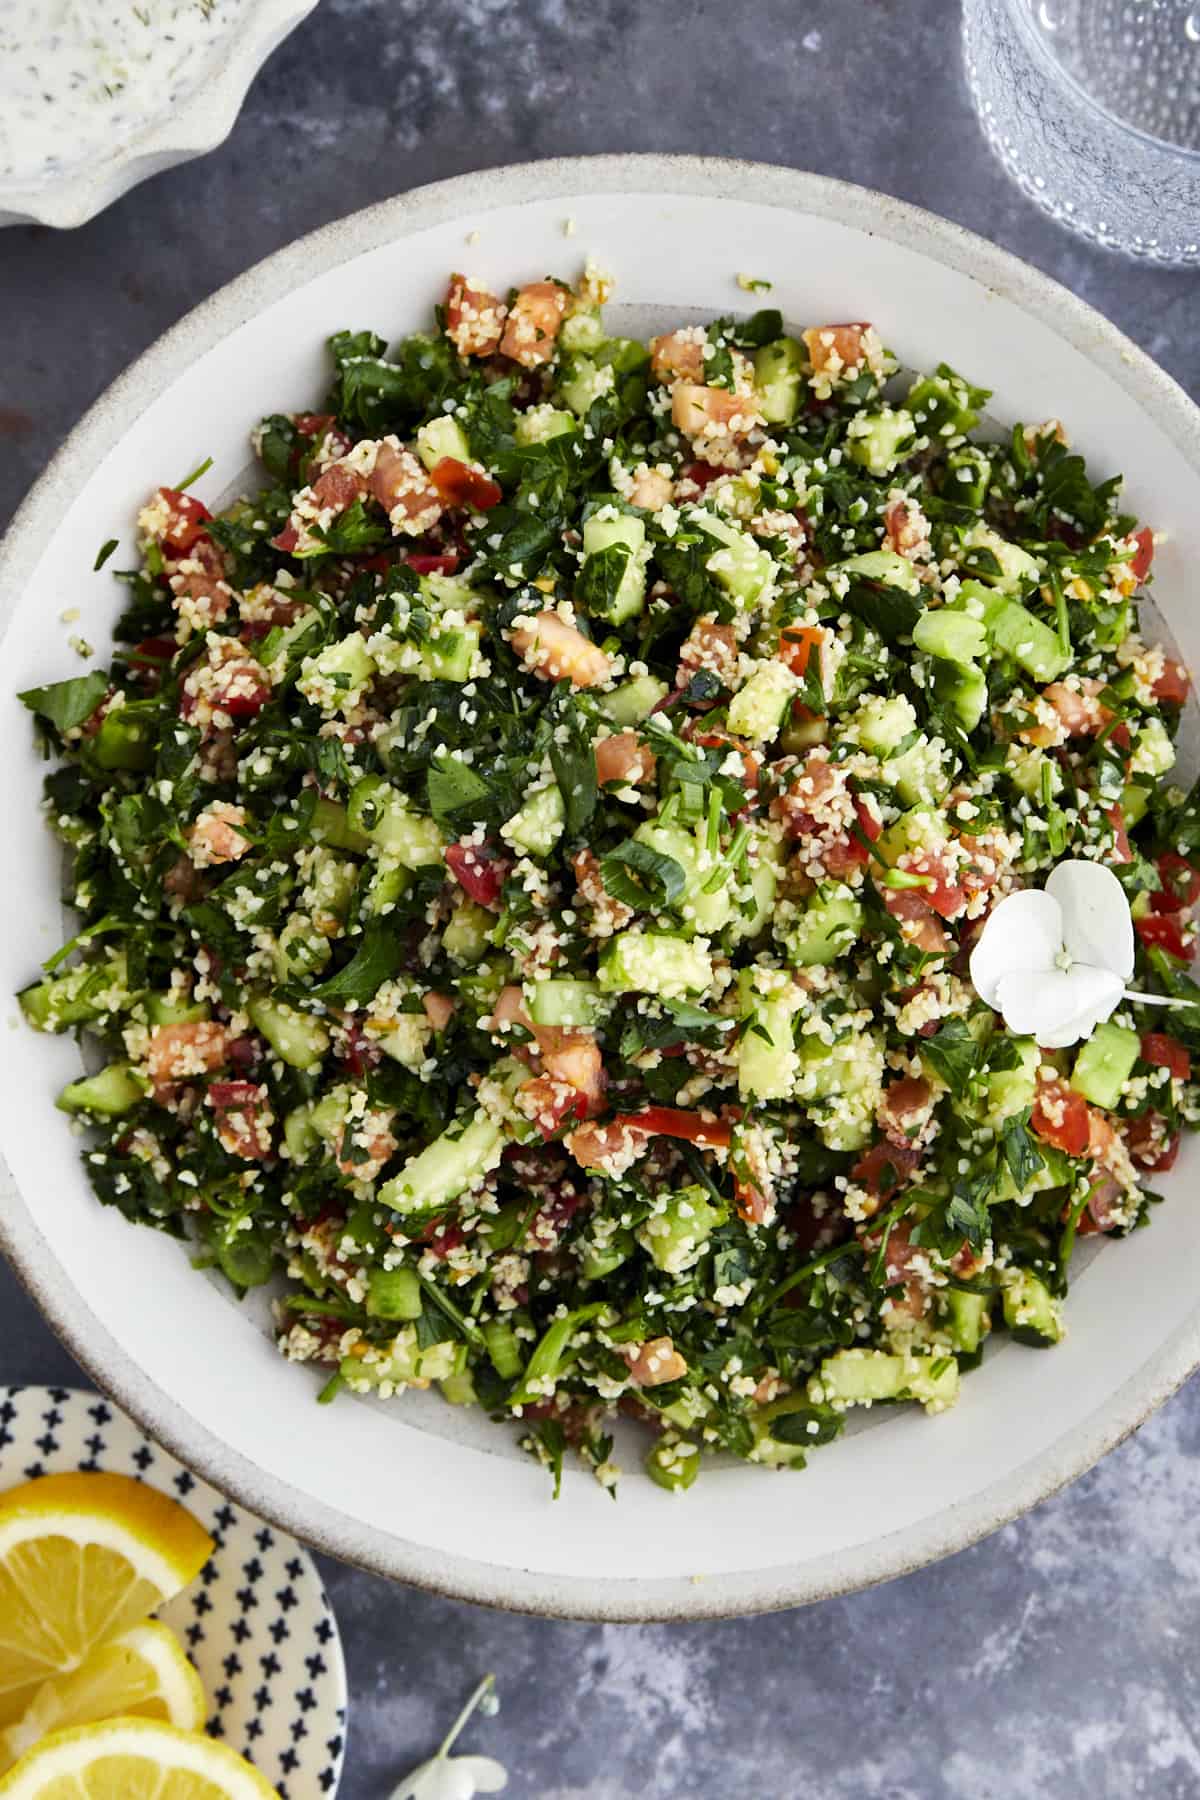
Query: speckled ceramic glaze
256	1621
418	1490
187	123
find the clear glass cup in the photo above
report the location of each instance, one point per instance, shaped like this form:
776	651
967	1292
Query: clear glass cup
1093	107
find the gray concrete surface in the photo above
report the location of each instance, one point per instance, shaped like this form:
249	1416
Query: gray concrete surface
1053	1662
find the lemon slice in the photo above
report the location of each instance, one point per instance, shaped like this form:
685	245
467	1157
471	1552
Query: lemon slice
144	1672
133	1759
82	1558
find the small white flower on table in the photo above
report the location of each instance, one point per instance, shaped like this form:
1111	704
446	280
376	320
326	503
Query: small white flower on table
446	1777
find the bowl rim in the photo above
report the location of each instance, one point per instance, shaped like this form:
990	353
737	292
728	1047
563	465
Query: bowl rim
190	128
455	1575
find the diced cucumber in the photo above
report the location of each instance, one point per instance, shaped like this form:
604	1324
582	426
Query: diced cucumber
627	535
300	949
541	423
336	678
879	441
1105	1063
886	566
852	1377
330	825
451	653
584	384
942	405
828	926
743	568
115	1090
1153	751
388	886
582	330
1012	1090
649	962
383	816
454	1162
1031	1312
767	1063
703	912
964	690
759	708
296	1037
562	1001
672	1462
394	1293
539	824
841	1084
468	932
1033	644
458	1389
408	1041
86	992
503	1347
173	1009
401	1363
1018	571
329	883
953	636
918	774
300	1135
597	1260
882	722
1134	801
634	700
674	1237
778	372
968	1320
125	739
443	436
968	477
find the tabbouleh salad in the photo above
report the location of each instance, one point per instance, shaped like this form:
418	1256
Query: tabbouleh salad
528	857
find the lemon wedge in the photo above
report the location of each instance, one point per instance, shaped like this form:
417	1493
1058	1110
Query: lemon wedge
144	1672
133	1759
82	1558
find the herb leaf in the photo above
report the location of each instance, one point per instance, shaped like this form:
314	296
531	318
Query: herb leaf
67	703
641	877
953	1054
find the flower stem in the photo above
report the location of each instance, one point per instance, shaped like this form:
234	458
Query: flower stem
489	1681
1158	999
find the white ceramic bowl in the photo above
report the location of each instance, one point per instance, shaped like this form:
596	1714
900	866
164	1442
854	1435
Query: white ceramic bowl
187	122
416	1489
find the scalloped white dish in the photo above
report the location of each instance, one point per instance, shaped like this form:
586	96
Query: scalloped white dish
88	110
424	1492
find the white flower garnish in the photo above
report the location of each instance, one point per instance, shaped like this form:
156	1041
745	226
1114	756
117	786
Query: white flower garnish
446	1777
1054	961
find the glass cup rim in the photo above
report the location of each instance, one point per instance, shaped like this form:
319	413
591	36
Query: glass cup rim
1021	12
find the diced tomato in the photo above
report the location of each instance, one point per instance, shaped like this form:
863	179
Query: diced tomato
834	347
677	1122
555	649
1061	1117
918	923
474	318
441	1238
245	1053
905	1107
1164	931
943	892
186	519
550	1103
1143	556
287	539
242	689
148	659
1174	684
314	424
751	761
460	485
885	1167
446	564
479	870
752	1204
1166	1052
237	1105
624	757
599	1146
1180	883
797	644
533	324
358	1052
703	473
1149	1143
677	356
1121	851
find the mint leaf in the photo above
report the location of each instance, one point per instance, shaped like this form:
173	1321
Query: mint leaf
67	703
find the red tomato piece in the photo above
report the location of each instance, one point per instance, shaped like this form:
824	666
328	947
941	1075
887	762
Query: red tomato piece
797	644
1166	1052
186	519
460	485
242	689
1174	684
1061	1117
479	870
677	1122
1180	883
445	564
1164	931
1143	556
702	473
1121	851
885	1167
